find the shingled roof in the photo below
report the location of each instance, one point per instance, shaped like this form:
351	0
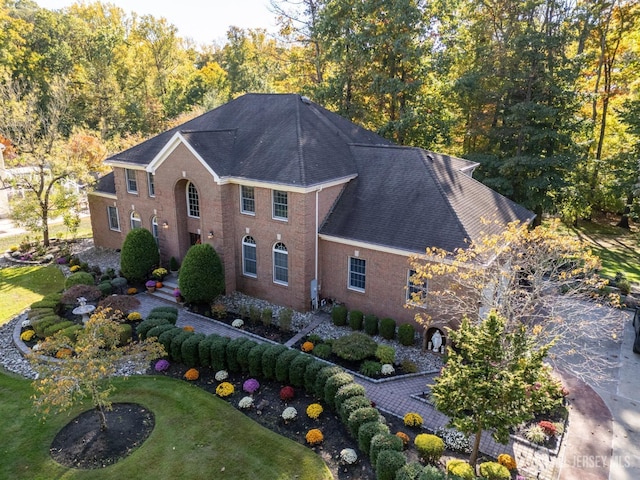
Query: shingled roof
399	197
409	199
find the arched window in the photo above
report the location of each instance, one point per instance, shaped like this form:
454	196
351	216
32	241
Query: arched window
136	221
193	201
280	264
249	257
154	229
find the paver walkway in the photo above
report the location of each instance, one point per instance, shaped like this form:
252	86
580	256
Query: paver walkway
587	439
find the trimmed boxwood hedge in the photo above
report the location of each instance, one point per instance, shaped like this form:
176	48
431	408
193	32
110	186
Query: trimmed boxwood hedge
355	319
368	431
242	355
168	316
190	350
310	374
165	337
176	345
204	350
42	323
56	327
71	332
283	363
339	315
388	328
269	359
352	404
157	330
371	324
333	384
361	416
296	369
232	352
388	463
347	391
321	379
384	441
148	324
255	359
219	353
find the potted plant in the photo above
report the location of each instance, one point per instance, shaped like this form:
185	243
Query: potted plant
177	295
173	264
159	274
151	286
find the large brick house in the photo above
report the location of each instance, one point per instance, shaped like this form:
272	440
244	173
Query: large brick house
300	204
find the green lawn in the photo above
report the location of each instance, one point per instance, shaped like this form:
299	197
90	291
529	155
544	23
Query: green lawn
196	436
55	230
21	286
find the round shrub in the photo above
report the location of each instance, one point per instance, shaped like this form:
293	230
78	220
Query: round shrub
359	417
118	284
78	278
383	441
368	431
371	325
386	354
218	353
321	379
255	359
283	362
494	471
269	359
89	292
333	384
165	309
105	288
190	350
322	351
355	319
310	374
407	335
148	324
242	355
430	447
139	255
355	346
352	404
388	462
347	391
507	460
370	368
232	352
339	315
413	419
415	471
125	333
388	328
460	468
175	351
201	274
296	369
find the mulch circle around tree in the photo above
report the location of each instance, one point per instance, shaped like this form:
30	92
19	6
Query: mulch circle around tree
81	444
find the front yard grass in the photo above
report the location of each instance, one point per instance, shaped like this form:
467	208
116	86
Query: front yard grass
21	286
196	435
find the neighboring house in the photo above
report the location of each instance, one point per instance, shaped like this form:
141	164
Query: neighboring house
300	204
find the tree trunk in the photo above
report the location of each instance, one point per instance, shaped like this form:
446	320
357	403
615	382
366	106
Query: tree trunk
103	418
624	220
476	448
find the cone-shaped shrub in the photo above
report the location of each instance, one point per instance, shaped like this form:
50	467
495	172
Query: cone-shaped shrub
368	431
201	275
139	255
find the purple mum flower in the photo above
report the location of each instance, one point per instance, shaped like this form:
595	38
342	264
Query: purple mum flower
251	385
162	365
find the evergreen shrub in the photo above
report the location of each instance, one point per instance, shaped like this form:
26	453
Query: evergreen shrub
232	347
310	374
175	351
352	404
361	416
430	447
201	275
148	324
407	334
388	328
371	324
78	278
269	359
386	354
157	330
333	384
347	391
388	463
190	350
339	315
384	441
218	353
322	350
255	359
296	369
494	471
139	255
125	333
355	319
355	347
242	355
461	469
368	431
322	377
283	363
56	327
165	337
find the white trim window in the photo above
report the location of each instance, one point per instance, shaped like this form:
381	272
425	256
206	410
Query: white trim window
416	289
114	220
357	274
280	264
155	230
151	182
136	221
132	183
249	257
280	201
193	201
247	200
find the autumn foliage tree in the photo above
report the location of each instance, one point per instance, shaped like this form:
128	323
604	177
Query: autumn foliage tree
87	366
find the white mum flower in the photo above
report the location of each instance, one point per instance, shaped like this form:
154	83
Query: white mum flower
348	455
26	323
289	413
221	375
237	323
387	369
245	402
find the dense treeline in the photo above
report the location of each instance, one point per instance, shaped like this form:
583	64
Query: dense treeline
544	94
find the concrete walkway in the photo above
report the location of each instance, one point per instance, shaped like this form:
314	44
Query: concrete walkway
585	454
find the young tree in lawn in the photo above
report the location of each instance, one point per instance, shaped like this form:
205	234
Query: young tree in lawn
494	379
89	363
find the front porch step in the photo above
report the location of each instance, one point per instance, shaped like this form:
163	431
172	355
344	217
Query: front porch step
169	283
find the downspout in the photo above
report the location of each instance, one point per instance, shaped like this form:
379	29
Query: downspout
316	300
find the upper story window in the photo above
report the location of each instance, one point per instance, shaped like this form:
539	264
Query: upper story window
136	221
155	230
132	184
280	264
114	221
247	200
416	289
249	257
151	183
357	273
193	201
280	205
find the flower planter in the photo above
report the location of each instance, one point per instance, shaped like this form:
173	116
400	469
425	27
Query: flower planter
151	289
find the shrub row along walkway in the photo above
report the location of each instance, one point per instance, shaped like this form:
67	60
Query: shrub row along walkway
589	418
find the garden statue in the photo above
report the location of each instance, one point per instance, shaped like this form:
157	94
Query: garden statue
436	341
